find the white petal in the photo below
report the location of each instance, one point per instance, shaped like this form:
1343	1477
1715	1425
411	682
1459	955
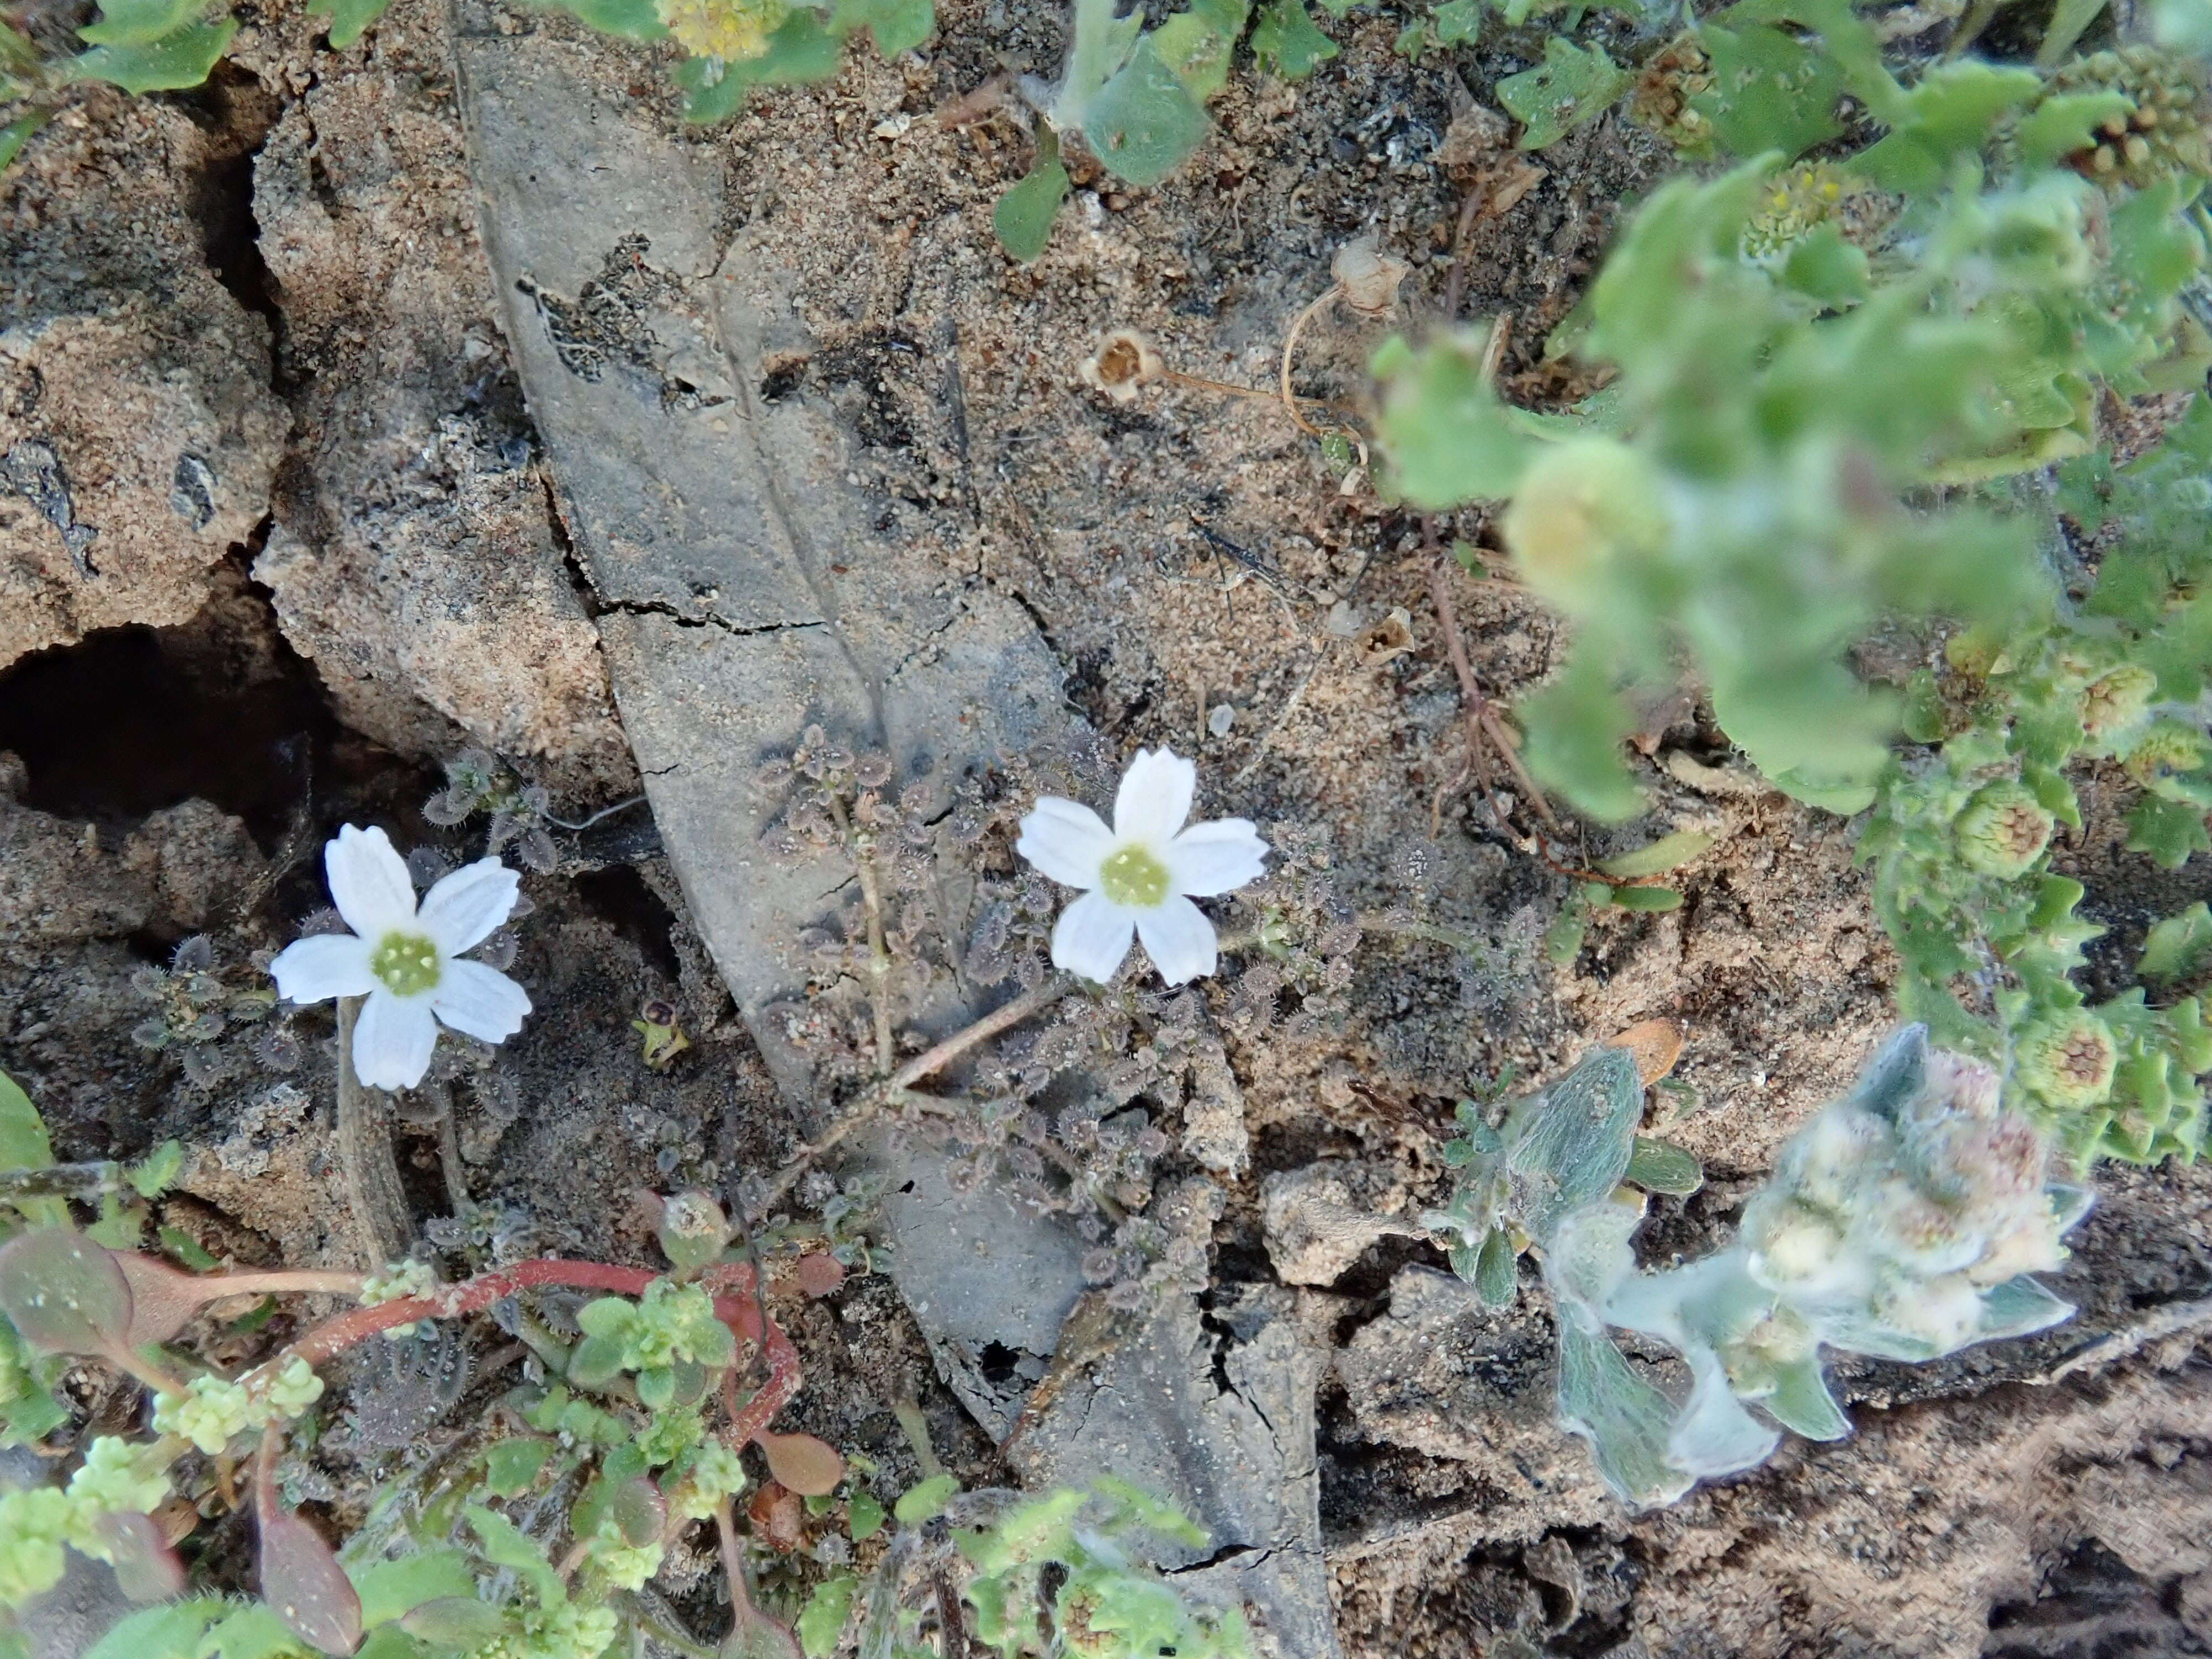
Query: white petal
462	908
1065	839
1091	937
369	882
1154	799
480	1001
328	965
393	1041
1179	940
1216	857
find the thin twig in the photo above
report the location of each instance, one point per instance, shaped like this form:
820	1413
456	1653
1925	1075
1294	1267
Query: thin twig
1290	345
879	957
999	1019
2174	1319
604	813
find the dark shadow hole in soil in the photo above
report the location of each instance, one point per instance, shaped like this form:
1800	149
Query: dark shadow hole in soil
996	1362
130	720
618	897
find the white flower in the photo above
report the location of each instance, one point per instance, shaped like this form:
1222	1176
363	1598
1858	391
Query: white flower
1140	876
406	962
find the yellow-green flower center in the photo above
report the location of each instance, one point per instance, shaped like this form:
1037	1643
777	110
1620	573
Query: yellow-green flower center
407	964
1134	876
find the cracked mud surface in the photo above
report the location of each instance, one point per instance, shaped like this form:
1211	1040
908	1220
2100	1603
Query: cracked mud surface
252	339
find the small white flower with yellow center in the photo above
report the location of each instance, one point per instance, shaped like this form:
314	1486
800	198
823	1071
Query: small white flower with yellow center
406	961
1140	876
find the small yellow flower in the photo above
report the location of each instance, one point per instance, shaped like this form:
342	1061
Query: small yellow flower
731	30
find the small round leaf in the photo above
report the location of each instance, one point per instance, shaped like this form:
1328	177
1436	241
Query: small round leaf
64	1293
807	1466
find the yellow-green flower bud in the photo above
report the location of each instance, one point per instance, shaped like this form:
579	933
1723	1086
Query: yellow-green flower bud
731	30
111	1482
1584	504
292	1390
624	1564
2112	706
2004	829
32	1525
210	1412
2168	746
716	1473
2068	1059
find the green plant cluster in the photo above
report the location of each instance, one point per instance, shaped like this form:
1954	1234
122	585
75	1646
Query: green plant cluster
730	47
1866	390
2105	690
1061	1573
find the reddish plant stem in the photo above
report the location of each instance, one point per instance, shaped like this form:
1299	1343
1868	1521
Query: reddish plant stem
334	1336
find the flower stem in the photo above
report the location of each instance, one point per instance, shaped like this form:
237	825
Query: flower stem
365	1160
879	957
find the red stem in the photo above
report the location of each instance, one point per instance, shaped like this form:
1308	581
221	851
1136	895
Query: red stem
334	1336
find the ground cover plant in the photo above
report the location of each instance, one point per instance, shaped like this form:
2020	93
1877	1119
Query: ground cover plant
1901	345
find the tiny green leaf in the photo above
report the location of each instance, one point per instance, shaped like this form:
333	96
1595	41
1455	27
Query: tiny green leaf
510	1466
156	1172
1660	1166
925	1499
1286	42
863	1516
1023	216
1573	84
1669	852
390	1590
823	1622
1496	1273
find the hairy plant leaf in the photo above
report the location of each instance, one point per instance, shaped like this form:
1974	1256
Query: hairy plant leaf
1627	1422
23	1141
1023	216
1495	1275
1196	42
1661	1166
822	1620
175	1631
459	1622
924	1499
137	23
350	19
506	1545
630	20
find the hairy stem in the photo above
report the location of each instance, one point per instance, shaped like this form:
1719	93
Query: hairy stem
365	1161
